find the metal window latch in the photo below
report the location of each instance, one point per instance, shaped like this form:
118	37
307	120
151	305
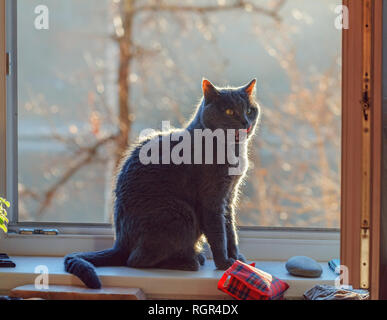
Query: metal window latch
28	231
365	102
7	64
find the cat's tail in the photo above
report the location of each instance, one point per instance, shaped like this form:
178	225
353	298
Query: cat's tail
82	264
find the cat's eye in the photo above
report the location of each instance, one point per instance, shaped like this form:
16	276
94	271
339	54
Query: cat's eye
249	111
230	112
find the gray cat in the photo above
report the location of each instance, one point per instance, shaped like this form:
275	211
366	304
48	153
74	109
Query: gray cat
163	210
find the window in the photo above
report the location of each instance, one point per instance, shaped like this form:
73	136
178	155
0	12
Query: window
67	90
272	244
88	76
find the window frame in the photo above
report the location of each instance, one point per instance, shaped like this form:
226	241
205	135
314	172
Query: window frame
353	204
3	122
256	242
11	110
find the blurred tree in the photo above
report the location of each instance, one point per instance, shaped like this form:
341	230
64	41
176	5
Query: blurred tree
124	20
294	179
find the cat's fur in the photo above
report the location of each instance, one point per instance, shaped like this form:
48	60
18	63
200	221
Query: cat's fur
162	210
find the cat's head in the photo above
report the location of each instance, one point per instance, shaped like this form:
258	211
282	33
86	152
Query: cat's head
230	108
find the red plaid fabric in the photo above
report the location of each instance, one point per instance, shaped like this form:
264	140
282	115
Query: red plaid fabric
245	282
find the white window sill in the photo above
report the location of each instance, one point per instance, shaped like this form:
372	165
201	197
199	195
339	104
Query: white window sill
157	284
262	245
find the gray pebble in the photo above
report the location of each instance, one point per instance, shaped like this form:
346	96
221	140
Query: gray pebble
303	267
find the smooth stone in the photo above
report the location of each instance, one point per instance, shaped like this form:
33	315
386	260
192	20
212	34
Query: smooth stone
303	267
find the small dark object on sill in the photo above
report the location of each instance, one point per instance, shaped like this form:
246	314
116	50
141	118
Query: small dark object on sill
5	262
4	256
5	298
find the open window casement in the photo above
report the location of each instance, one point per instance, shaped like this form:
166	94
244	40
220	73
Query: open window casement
361	144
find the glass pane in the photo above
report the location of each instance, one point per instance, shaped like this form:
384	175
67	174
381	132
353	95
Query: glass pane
74	98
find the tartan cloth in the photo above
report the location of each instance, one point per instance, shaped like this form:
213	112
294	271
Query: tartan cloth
245	282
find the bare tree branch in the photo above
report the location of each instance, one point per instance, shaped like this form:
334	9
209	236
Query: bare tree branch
240	4
91	153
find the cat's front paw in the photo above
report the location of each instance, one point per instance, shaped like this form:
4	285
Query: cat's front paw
237	256
241	257
224	265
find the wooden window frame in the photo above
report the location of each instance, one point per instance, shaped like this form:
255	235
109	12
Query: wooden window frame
3	102
361	186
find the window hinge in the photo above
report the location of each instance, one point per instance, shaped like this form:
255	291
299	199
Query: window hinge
364	257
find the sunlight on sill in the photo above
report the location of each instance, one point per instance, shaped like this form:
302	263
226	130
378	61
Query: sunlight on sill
157	284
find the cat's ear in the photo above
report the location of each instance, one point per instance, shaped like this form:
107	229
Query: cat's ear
209	91
250	88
